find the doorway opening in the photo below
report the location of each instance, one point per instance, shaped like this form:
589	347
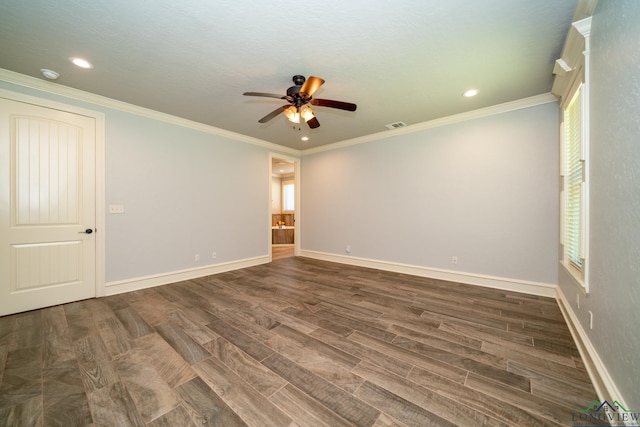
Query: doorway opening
283	214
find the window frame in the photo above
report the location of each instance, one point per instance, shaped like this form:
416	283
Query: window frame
578	270
572	73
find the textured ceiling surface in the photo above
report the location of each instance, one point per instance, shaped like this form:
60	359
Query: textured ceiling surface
406	61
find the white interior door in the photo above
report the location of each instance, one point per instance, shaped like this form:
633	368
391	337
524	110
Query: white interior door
47	207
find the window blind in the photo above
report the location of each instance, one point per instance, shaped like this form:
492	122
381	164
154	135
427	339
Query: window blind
574	178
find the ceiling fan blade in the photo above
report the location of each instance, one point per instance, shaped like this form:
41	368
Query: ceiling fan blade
311	85
313	123
333	104
272	114
267	95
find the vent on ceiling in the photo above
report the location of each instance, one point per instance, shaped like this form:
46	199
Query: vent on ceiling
395	125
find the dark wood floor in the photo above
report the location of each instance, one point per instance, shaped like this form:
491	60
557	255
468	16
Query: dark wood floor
295	342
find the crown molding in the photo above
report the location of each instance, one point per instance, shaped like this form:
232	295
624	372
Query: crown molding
583	26
102	101
575	46
444	121
79	95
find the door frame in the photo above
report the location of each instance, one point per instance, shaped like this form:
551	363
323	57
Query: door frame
99	118
296	202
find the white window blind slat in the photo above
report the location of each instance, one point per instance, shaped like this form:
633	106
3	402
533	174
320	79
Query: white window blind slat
574	177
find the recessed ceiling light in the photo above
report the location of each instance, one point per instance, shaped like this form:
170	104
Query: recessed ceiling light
50	74
305	138
470	93
82	63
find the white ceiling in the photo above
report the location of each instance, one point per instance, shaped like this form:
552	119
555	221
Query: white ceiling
407	60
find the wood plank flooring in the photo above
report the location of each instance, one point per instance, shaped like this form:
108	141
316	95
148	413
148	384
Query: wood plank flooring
281	251
297	342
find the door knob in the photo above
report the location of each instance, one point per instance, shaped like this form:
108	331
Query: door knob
87	231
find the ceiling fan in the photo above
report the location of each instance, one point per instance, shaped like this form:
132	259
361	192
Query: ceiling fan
299	97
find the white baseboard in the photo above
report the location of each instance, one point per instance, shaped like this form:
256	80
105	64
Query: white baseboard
531	288
128	285
602	381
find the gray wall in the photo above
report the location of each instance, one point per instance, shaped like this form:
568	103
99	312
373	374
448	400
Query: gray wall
485	190
185	191
614	231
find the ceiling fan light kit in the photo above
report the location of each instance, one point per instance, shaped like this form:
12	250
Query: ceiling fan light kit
306	113
299	96
292	114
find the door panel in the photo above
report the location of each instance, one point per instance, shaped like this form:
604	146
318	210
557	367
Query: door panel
47	201
46	183
39	265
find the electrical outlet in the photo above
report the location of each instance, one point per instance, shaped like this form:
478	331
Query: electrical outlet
214	255
454	260
348	249
197	257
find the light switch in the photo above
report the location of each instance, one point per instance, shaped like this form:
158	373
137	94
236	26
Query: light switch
116	209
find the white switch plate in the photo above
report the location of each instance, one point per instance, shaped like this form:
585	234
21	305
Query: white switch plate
116	209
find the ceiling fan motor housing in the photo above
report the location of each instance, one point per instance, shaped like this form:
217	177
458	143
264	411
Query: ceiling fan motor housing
293	91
